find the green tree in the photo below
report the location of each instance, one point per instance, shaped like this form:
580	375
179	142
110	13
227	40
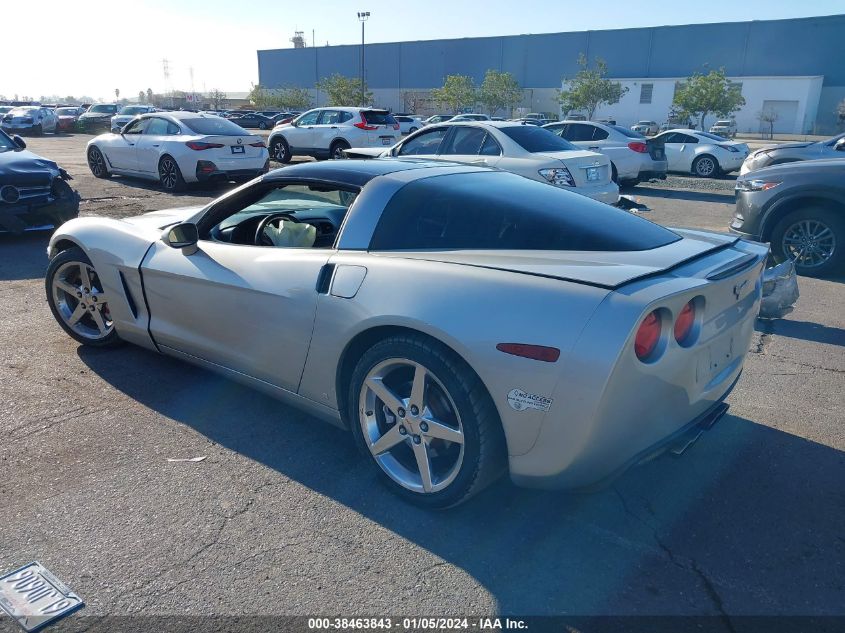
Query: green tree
117	94
590	88
701	95
499	91
457	93
258	96
150	96
141	96
344	91
293	99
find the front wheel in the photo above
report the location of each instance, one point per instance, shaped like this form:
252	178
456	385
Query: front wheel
705	167
426	421
262	125
78	301
280	150
97	163
169	175
813	238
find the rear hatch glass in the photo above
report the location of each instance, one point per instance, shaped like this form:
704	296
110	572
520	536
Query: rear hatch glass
378	117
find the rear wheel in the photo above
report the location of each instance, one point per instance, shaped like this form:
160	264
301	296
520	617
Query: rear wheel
814	238
426	421
97	163
412	130
336	150
169	174
77	299
280	150
706	166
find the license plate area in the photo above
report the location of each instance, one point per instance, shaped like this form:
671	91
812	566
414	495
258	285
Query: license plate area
238	149
386	140
34	597
592	174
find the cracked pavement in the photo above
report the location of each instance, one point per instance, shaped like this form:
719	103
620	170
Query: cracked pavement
284	517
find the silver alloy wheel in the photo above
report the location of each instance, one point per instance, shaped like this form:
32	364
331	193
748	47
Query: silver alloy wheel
279	150
705	166
80	301
809	243
338	154
167	173
96	162
411	425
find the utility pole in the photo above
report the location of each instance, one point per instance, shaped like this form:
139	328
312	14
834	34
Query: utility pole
362	16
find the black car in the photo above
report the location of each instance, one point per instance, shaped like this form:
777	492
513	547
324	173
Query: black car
33	191
799	208
253	120
98	117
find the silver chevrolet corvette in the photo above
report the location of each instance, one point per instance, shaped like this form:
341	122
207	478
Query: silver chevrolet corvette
460	321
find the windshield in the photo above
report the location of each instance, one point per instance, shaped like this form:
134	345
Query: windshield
626	131
133	110
537	139
66	111
103	109
6	142
213	126
499	210
835	139
26	111
712	137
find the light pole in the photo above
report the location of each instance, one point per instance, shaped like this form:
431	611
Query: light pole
362	16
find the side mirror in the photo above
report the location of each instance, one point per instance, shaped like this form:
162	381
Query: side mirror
840	145
19	141
184	236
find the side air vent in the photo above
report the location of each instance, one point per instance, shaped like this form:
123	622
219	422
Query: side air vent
128	294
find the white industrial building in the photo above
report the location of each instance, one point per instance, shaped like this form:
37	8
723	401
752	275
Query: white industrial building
795	101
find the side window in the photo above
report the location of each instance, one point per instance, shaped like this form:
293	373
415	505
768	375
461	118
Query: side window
465	140
578	132
686	138
425	143
329	117
136	127
173	129
156	127
560	130
345	116
670	138
599	134
490	147
309	118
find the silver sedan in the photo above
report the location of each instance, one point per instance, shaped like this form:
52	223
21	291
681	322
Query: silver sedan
462	322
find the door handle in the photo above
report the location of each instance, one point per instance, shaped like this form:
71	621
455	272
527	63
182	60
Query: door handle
594	148
334	127
156	145
480	161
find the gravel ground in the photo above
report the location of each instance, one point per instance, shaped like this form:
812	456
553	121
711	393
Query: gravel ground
284	517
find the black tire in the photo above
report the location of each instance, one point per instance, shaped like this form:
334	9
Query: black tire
706	166
412	130
817	219
97	163
614	175
262	125
280	150
336	150
484	451
169	174
70	256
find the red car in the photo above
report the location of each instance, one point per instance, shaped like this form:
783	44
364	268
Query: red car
67	118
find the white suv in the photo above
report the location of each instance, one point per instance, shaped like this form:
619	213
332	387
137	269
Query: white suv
327	132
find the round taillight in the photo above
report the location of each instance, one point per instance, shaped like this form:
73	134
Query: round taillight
647	336
684	323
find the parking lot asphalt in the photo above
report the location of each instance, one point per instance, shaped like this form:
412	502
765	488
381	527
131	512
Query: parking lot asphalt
283	516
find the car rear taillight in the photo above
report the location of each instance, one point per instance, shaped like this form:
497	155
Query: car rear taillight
639	147
258	144
395	126
200	145
534	352
684	323
648	335
365	126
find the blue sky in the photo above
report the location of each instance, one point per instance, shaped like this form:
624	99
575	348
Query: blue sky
92	52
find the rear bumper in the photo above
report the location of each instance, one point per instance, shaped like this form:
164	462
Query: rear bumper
220	175
607	193
652	174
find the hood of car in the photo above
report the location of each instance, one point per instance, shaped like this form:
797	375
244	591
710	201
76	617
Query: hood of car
607	269
794	145
829	169
22	167
164	218
96	115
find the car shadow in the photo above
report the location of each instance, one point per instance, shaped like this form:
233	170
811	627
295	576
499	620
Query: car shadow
749	520
806	330
686	194
24	256
216	188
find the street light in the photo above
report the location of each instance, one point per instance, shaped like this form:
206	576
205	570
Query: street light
362	16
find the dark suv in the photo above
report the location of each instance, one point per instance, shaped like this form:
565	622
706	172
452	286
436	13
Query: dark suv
800	209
